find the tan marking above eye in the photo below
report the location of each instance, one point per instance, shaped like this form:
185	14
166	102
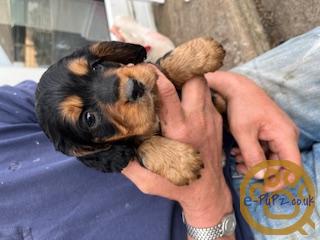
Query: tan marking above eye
79	66
71	108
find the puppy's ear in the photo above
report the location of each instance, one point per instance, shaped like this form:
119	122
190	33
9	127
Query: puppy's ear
113	159
120	52
67	146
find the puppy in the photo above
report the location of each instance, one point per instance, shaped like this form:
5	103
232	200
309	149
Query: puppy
100	104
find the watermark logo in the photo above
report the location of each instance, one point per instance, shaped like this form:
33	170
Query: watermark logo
299	195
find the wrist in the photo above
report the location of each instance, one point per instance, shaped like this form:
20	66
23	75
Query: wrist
209	212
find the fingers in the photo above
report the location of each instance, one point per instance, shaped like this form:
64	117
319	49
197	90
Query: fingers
149	182
116	32
171	111
223	82
194	95
235	151
242	169
278	179
286	149
290	152
251	150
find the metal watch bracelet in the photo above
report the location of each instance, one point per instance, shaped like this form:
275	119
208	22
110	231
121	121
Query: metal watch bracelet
226	227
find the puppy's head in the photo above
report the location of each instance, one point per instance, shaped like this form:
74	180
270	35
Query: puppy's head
97	98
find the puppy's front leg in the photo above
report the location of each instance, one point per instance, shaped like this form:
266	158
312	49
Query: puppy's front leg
192	59
178	162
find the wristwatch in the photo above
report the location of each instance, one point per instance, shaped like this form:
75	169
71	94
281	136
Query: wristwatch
224	228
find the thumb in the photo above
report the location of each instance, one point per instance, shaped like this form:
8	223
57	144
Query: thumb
171	110
149	182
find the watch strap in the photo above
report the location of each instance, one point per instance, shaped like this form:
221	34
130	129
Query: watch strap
207	233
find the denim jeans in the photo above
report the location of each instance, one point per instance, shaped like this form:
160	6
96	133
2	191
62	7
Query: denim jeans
290	74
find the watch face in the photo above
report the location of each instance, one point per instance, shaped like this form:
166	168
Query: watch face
229	224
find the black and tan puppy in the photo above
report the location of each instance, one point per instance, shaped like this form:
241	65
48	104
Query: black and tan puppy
100	105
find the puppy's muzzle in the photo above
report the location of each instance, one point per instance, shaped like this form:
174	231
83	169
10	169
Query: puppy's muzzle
135	89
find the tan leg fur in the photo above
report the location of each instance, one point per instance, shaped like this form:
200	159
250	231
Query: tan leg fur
177	162
191	59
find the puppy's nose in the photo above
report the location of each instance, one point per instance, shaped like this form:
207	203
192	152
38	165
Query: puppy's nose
135	89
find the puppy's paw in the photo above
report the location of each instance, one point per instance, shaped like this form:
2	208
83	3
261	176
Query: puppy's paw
187	168
210	53
191	59
178	162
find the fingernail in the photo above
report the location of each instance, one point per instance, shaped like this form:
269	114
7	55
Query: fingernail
291	178
260	174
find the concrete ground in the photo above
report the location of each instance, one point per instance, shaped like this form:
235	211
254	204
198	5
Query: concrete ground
246	28
288	18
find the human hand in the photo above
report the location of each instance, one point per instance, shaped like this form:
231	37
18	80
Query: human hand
254	119
195	121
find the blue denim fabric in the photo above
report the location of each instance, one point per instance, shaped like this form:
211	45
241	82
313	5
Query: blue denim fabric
290	74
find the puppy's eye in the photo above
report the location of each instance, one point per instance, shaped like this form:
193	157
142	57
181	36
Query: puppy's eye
100	65
97	66
90	118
